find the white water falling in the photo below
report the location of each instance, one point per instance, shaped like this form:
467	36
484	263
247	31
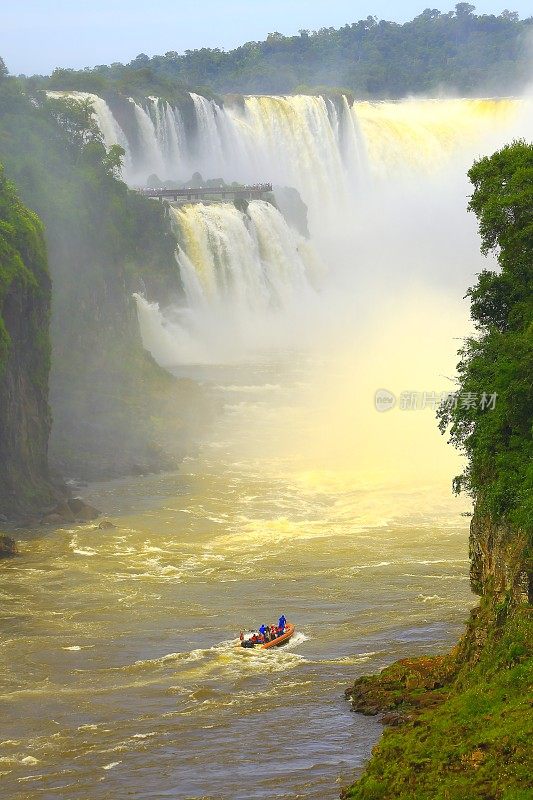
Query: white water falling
170	138
248	259
334	154
209	155
313	143
169	340
384	184
246	275
330	151
151	156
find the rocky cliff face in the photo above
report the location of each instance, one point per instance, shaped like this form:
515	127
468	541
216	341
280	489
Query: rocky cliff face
462	721
499	567
115	410
24	357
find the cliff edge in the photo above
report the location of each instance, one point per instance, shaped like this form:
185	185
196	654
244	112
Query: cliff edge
24	357
462	723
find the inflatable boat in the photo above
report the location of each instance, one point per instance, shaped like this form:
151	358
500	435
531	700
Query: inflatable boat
289	631
282	639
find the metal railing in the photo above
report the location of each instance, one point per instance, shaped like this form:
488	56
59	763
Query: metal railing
206	192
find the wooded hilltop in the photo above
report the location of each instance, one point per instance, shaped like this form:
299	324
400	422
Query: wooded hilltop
435	53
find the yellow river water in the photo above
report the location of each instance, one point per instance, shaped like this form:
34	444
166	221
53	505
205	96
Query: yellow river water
118	672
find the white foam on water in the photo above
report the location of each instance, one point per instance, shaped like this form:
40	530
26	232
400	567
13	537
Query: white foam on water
357	658
430	598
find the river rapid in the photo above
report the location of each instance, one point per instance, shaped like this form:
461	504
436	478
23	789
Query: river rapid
119	673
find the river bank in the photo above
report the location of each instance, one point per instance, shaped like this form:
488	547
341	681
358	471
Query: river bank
477	740
461	722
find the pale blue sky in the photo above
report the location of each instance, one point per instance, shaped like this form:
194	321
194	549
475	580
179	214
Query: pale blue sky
42	34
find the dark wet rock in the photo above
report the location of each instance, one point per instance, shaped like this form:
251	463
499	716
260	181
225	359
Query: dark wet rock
8	546
76	504
105	525
24	521
25	420
290	204
64	511
82	510
87	514
394	719
406	686
70	511
499	566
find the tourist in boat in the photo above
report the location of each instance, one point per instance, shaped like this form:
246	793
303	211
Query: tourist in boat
267	634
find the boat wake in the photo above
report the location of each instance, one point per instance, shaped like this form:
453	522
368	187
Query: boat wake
297	639
225	656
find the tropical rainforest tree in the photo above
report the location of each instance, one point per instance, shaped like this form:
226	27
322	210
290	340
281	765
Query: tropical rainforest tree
497	441
457	50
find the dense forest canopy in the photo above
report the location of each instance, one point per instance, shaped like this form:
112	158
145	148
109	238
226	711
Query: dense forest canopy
457	51
498	441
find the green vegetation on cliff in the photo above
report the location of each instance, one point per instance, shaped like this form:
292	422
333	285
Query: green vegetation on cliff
22	256
498	442
464	721
458	51
104	243
24	355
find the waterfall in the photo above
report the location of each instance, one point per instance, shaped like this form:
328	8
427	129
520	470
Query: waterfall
239	259
424	135
329	150
169	341
384	184
325	148
170	132
245	274
151	152
209	151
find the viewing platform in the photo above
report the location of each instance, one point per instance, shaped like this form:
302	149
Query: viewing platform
210	194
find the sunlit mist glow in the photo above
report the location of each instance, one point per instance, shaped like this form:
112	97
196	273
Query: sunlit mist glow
372	300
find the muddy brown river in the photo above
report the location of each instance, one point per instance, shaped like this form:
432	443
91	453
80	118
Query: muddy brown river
119	673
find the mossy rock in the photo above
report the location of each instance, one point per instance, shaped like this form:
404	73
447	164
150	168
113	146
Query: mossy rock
406	685
475	741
